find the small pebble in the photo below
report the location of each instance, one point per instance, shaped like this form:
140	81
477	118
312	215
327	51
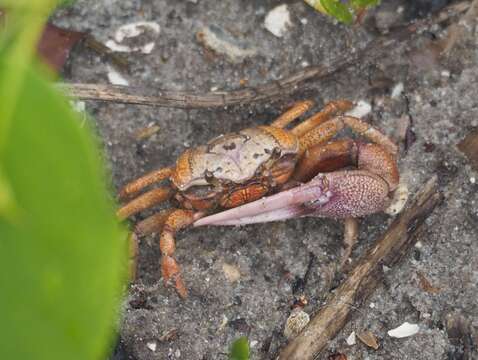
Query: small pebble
278	20
115	77
151	346
473	180
397	90
361	109
351	340
231	272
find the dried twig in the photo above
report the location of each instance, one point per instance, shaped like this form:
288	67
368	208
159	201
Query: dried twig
455	31
364	277
271	90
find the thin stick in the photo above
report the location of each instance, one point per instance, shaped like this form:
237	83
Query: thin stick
366	275
272	90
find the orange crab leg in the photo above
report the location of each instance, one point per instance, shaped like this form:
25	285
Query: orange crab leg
368	131
293	113
331	109
320	134
325	158
177	220
146	180
153	223
145	201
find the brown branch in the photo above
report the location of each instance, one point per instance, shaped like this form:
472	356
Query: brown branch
271	90
365	277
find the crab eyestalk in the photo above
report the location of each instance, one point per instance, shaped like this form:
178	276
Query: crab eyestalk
341	194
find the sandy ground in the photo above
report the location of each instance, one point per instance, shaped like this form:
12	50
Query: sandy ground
440	96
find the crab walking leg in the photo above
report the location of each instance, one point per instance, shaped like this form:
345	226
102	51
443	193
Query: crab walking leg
293	113
146	180
153	223
177	220
368	131
145	201
328	129
331	109
325	158
351	228
320	134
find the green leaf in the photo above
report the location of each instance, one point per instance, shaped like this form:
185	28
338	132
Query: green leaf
62	251
239	349
364	3
338	10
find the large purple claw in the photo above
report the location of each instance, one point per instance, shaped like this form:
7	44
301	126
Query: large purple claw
340	194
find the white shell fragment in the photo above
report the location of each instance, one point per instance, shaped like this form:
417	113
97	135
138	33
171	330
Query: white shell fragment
351	340
278	20
296	321
400	197
360	110
151	346
147	28
116	78
404	330
397	90
224	43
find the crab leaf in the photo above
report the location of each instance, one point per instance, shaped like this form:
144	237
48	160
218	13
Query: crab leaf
338	10
239	349
62	251
364	3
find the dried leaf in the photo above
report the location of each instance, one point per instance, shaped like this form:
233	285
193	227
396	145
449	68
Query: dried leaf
426	285
368	339
56	44
469	147
169	335
146	132
296	321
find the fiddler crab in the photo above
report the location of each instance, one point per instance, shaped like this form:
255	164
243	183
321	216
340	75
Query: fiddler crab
307	173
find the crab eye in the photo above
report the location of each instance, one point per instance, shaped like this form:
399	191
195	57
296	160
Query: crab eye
277	151
208	176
